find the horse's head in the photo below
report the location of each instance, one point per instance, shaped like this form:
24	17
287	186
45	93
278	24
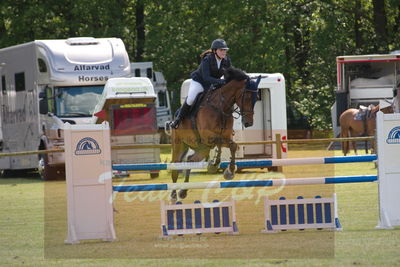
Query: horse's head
246	95
248	101
386	106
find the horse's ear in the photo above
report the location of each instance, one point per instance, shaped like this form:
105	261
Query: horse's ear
228	74
258	80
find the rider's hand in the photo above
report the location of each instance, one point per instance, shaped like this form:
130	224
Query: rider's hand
221	81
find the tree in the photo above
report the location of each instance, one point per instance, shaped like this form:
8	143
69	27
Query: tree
299	38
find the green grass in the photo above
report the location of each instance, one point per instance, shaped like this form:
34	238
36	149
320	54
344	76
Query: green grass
33	228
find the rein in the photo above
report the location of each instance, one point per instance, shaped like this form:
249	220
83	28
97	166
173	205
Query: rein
223	101
220	107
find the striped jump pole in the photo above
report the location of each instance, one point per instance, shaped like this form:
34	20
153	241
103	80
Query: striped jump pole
244	163
246	183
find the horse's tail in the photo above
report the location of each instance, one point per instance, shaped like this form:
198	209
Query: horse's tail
344	132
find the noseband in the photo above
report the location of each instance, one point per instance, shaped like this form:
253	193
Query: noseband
251	87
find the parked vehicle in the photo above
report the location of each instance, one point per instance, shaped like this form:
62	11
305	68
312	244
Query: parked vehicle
297	124
46	83
364	80
163	102
129	105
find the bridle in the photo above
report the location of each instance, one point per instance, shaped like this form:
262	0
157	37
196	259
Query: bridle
250	87
247	89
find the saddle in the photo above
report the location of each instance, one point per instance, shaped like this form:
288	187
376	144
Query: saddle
197	102
364	113
195	108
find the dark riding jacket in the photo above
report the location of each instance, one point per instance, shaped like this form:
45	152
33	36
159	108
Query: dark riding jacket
208	72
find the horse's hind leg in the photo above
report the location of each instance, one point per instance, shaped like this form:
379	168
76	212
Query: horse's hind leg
354	143
196	157
229	172
178	152
345	144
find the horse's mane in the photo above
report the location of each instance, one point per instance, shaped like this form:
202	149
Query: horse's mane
234	74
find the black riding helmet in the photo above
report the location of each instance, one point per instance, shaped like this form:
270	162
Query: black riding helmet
218	44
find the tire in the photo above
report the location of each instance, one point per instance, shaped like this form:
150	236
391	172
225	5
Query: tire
273	169
154	175
47	172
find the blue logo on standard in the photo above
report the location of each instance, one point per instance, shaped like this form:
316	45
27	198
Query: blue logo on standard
87	146
394	136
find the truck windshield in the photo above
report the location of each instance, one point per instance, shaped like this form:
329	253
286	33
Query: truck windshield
77	101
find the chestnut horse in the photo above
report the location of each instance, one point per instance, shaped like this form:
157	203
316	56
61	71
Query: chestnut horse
212	125
350	127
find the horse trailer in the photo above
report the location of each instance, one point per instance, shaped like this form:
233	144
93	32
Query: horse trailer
46	83
163	103
269	120
129	105
364	80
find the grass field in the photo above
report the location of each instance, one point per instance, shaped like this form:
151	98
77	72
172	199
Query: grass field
33	225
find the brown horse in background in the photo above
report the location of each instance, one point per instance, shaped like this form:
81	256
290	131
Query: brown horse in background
212	125
350	127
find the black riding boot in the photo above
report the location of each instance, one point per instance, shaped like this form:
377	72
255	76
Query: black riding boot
183	111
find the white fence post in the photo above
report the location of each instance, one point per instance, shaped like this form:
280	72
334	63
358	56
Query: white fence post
89	185
388	139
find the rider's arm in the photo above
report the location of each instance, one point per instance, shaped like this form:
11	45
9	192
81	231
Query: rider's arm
205	70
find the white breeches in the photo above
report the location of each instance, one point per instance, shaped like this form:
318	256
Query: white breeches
194	89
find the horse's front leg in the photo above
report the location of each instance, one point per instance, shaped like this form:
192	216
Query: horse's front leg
174	176
229	172
196	157
183	192
213	166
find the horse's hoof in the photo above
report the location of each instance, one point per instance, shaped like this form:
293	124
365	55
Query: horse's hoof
228	175
182	193
173	197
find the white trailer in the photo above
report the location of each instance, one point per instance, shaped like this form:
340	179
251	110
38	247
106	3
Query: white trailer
46	83
364	80
269	119
163	102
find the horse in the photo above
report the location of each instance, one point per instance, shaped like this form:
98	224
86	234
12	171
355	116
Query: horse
352	127
212	124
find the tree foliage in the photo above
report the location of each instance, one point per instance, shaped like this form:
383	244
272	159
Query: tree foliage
299	38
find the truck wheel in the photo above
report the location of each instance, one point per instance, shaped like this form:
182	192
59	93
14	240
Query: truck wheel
273	169
44	168
47	172
154	175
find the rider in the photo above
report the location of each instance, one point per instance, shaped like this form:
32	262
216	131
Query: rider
214	62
